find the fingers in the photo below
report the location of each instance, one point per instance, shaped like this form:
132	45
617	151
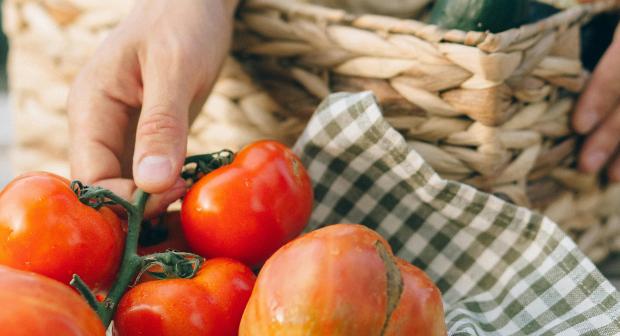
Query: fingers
602	94
97	133
602	144
156	204
161	135
100	107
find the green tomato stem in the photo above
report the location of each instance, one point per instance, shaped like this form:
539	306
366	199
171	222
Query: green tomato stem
179	264
131	263
173	264
206	163
82	287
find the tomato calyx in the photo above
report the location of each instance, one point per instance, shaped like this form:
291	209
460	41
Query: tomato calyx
173	264
197	166
97	197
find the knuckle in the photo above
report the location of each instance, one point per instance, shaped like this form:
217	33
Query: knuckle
161	125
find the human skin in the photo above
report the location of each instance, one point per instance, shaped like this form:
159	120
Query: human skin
131	105
597	116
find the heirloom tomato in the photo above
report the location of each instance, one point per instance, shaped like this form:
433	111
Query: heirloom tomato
34	305
211	303
250	208
44	228
342	280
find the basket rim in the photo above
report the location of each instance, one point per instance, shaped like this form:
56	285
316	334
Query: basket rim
486	41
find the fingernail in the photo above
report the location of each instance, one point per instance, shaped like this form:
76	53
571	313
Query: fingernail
595	160
154	169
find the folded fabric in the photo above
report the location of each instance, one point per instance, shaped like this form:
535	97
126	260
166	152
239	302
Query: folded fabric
502	269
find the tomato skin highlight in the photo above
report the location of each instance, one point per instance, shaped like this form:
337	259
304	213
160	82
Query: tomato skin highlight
211	303
45	229
250	208
36	305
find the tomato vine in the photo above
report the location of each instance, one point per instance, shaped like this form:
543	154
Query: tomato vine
133	266
179	264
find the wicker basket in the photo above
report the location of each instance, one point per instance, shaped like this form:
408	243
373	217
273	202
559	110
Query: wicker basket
488	109
50	40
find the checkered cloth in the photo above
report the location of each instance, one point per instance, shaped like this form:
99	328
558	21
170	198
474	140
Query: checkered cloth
503	270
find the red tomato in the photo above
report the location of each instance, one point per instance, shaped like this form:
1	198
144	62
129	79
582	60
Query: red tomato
420	298
34	305
45	229
211	303
342	280
250	208
165	234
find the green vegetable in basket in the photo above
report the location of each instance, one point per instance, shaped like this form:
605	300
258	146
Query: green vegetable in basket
480	15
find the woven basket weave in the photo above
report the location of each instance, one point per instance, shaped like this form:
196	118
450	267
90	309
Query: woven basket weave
488	109
50	40
491	110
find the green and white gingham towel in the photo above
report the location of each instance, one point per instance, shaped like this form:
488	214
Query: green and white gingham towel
503	270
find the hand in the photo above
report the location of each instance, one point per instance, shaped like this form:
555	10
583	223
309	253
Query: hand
598	115
130	107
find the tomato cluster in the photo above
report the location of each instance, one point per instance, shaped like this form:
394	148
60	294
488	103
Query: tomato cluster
239	212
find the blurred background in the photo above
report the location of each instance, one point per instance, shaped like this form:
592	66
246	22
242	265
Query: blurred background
5	122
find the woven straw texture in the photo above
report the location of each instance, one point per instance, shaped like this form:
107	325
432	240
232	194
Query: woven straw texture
52	39
491	110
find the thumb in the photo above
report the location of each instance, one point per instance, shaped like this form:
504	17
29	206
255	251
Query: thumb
161	135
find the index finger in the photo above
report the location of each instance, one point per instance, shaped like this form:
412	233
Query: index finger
98	126
101	143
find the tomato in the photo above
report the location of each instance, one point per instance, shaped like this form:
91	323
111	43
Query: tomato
342	280
162	235
34	305
250	208
211	303
420	298
45	229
